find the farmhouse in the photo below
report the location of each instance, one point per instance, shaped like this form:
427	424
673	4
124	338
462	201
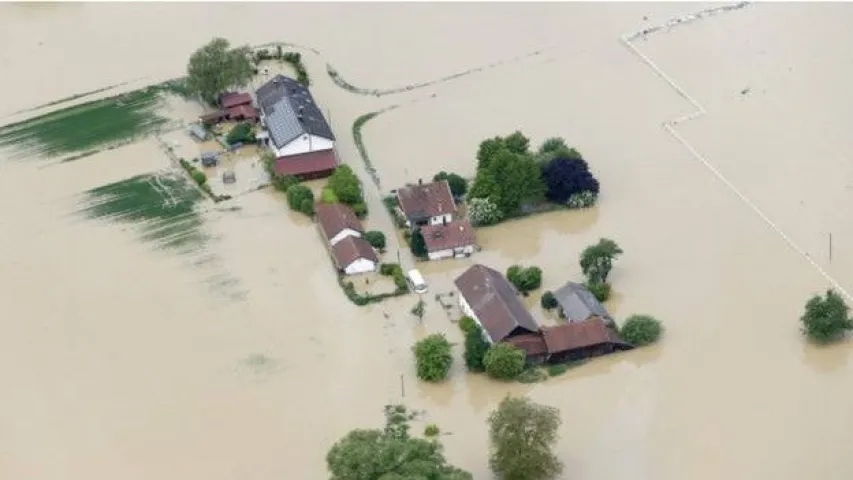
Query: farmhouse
487	297
353	255
293	121
427	204
337	221
446	240
577	303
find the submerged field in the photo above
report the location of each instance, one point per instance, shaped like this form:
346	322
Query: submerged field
118	367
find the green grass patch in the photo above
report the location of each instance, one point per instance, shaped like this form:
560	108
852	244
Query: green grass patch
561	368
162	207
85	127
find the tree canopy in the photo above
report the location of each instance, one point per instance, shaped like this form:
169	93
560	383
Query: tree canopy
475	348
346	185
826	318
458	185
509	181
432	356
524	279
390	454
418	244
301	199
565	177
641	330
216	68
504	361
597	260
523	434
375	238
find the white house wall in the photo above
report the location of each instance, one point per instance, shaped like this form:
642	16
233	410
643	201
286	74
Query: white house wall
440	254
347	232
303	145
468	311
440	219
362	265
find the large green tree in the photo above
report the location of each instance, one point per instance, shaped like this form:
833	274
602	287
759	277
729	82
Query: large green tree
432	356
504	361
216	68
346	185
475	348
509	180
390	454
523	434
597	260
826	318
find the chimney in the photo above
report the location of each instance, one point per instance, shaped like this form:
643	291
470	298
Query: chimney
444	220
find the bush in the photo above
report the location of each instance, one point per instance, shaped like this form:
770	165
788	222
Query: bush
199	176
375	238
641	330
475	348
328	196
482	211
396	271
504	361
431	430
433	358
458	185
524	279
284	182
582	200
346	186
565	177
826	318
295	60
360	209
241	133
301	199
600	290
418	244
548	301
388	269
558	369
466	324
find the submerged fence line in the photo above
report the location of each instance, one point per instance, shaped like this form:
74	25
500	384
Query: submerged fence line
670	125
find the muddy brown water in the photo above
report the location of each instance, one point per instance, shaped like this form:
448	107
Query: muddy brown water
119	361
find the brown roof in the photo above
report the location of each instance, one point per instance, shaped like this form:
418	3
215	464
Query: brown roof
531	343
305	163
495	302
335	218
233	99
212	116
573	335
245	111
457	233
351	249
426	200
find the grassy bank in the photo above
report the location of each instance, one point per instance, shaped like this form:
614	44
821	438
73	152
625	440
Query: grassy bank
81	129
357	125
162	208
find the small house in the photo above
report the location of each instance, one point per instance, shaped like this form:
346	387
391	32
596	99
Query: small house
579	340
307	166
576	303
427	204
487	297
447	240
209	159
337	221
353	256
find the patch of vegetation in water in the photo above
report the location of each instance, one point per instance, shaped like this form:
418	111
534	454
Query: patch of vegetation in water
86	127
162	207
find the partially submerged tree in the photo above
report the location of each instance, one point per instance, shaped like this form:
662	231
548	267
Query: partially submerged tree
523	434
475	348
597	260
826	318
504	361
433	358
375	238
548	300
418	244
458	185
301	199
524	279
482	212
565	177
419	309
390	454
216	67
555	147
346	185
641	330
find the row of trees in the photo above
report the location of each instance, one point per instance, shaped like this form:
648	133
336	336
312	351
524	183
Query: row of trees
522	436
511	178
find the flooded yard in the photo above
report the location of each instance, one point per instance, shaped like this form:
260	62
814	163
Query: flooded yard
151	333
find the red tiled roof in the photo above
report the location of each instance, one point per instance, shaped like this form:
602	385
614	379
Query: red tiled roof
245	111
531	343
335	218
234	99
305	163
455	234
494	301
573	335
426	200
351	249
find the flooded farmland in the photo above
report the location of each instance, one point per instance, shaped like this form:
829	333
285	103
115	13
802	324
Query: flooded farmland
211	341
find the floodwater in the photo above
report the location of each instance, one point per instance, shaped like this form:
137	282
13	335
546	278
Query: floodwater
243	359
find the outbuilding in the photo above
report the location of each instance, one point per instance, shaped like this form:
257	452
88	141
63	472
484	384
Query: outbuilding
353	256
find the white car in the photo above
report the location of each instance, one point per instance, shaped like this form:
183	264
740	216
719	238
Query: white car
416	281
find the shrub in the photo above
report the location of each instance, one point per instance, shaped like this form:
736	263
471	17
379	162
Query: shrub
475	349
600	290
433	358
346	186
388	268
431	430
826	318
565	177
360	209
328	196
504	361
396	271
524	279
532	374
301	199
419	309
482	211
641	330
199	176
582	200
241	133
466	324
458	185
558	369
418	244
548	301
283	182
375	238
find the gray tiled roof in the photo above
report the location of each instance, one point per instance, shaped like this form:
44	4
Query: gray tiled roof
282	100
578	303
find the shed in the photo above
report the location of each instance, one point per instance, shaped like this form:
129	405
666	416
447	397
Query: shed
577	304
209	159
198	132
229	176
